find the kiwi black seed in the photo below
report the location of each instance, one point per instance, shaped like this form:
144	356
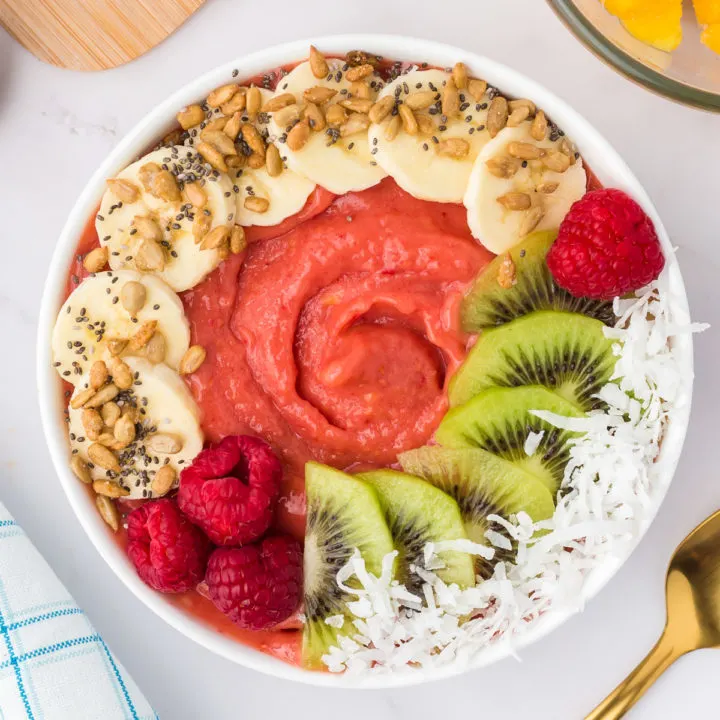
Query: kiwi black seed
482	484
418	513
500	420
343	514
488	304
564	352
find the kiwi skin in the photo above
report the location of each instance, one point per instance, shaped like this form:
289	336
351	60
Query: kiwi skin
487	304
500	419
343	513
418	513
565	352
482	484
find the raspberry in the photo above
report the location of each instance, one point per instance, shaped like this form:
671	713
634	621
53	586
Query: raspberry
606	247
168	552
230	490
257	586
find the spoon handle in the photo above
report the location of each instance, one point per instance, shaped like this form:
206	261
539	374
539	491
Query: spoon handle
628	692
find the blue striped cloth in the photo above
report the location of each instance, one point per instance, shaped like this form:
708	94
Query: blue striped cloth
53	665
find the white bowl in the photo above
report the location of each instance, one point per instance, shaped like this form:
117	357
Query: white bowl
600	156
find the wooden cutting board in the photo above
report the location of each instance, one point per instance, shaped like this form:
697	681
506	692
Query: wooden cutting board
92	34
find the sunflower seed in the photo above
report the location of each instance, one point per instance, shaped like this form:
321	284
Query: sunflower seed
192	359
96	260
102	457
80	469
108	511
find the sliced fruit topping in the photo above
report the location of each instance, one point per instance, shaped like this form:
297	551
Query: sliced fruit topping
482	485
707	11
607	246
525	179
265	191
708	14
343	514
500	420
322	134
170	213
659	22
565	352
711	37
656	22
169	553
257	586
133	427
231	489
493	300
427	132
417	514
111	314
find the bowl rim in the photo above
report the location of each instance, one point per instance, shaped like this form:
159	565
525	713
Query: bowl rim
601	156
627	65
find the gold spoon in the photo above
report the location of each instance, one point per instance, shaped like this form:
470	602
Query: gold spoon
692	590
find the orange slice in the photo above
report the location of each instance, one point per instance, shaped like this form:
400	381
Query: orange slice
707	11
711	37
655	22
708	14
623	8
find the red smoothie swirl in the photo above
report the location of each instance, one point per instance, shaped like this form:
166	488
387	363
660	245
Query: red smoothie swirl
334	339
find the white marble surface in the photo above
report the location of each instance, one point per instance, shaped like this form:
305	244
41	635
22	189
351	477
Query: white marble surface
56	126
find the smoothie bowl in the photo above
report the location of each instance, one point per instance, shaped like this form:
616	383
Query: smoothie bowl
364	361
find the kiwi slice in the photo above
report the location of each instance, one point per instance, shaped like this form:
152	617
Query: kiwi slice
418	513
482	484
343	513
565	352
487	304
499	420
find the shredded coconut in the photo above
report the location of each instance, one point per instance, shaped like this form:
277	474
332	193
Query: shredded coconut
532	442
336	621
498	540
606	499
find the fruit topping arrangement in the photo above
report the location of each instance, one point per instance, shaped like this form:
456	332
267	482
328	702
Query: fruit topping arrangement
216	531
530	454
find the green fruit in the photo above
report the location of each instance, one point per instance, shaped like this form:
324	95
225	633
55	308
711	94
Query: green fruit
418	513
482	484
343	513
499	420
488	305
565	352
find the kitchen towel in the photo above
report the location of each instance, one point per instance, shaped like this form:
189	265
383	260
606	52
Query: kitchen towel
53	664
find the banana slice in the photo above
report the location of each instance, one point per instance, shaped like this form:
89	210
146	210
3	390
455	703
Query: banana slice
166	431
147	221
107	309
432	161
329	157
286	193
512	192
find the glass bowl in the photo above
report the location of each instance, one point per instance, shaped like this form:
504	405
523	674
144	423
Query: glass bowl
690	74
